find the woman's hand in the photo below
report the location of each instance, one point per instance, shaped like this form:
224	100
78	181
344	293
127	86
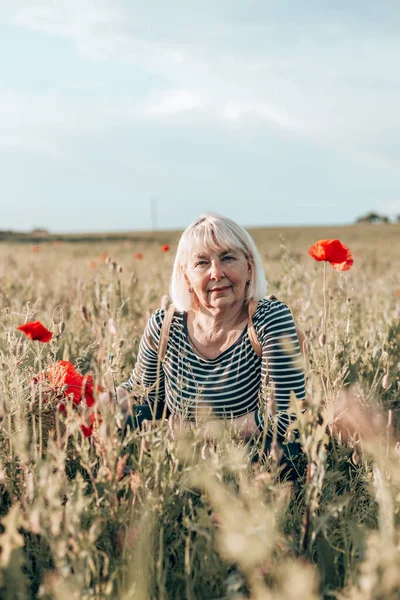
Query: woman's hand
245	426
111	401
106	401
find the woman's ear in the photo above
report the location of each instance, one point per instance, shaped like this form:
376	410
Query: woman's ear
249	270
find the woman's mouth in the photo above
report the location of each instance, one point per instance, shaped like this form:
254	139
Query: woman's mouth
220	289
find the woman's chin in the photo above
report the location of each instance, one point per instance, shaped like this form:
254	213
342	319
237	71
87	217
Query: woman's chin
222	302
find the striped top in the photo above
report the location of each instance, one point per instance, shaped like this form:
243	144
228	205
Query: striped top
234	383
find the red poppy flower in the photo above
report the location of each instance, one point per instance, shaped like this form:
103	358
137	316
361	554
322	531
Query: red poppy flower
67	382
36	331
138	256
334	252
93	264
87	430
165	248
36	249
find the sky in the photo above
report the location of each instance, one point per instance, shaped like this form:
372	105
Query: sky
271	112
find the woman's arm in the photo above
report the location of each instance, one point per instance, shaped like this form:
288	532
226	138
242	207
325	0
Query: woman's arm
147	379
282	364
245	426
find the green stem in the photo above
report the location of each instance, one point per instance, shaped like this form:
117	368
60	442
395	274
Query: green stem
40	410
325	328
325	302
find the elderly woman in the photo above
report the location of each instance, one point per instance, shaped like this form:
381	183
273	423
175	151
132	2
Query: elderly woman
222	351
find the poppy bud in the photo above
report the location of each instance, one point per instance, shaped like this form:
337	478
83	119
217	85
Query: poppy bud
385	381
107	260
121	343
322	340
3	476
366	345
290	437
112	326
355	458
105	303
84	313
30	486
61	327
119	268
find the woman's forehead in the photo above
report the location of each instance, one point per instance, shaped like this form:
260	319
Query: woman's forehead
201	247
208	239
205	252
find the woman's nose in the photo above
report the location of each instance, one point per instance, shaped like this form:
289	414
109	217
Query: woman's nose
216	270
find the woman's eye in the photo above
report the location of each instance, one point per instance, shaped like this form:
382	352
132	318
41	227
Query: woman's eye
228	258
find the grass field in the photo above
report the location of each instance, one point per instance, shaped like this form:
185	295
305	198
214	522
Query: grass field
104	518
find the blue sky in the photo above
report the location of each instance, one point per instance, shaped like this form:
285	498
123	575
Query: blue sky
272	112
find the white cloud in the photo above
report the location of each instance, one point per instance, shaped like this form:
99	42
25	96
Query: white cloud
69	18
27	143
174	101
330	83
234	113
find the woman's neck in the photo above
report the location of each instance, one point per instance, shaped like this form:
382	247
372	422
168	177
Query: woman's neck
213	320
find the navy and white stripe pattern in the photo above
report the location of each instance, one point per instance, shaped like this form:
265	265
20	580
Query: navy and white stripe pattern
230	385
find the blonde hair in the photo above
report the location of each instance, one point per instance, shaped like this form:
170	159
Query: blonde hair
214	232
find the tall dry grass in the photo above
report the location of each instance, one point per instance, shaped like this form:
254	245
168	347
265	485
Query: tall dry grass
107	518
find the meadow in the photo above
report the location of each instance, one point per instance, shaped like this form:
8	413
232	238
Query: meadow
162	515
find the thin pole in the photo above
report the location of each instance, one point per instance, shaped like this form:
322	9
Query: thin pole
153	211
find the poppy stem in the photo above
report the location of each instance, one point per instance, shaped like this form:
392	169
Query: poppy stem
325	302
40	411
325	326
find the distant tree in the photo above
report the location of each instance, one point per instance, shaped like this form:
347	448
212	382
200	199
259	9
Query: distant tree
373	217
40	232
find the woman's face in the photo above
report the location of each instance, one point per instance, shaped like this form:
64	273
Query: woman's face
218	278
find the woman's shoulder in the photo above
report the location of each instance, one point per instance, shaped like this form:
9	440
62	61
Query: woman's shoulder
268	308
160	315
270	304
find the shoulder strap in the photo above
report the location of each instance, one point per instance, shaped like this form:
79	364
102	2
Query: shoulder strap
164	333
254	341
252	307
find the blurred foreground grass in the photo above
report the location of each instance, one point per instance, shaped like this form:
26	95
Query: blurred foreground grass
105	518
